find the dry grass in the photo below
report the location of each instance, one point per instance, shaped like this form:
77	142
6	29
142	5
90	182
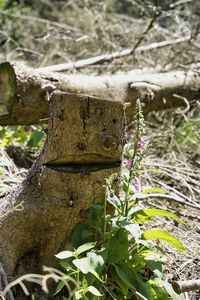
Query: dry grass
174	167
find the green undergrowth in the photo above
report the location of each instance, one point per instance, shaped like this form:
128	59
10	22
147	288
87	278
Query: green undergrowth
30	137
19	146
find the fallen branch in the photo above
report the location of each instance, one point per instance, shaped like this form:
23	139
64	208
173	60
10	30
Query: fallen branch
186	286
109	57
168	197
41	280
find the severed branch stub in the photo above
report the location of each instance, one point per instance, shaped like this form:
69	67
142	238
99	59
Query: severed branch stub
186	286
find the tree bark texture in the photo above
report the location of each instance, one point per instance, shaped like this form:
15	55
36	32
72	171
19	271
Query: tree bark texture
84	146
25	92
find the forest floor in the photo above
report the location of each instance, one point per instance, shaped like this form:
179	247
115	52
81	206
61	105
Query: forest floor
176	156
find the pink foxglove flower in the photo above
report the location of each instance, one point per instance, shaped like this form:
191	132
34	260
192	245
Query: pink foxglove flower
143	143
129	163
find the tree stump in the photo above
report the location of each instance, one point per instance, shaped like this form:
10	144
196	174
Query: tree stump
84	146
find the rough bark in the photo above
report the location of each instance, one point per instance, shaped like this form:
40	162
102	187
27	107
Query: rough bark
25	92
84	146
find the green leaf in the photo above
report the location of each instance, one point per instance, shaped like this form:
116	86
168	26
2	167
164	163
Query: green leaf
130	277
94	291
83	264
35	138
85	247
114	200
86	266
59	287
81	235
117	246
154	190
155	267
123	286
158	293
97	261
144	215
153	261
65	264
78	295
165	236
134	230
64	254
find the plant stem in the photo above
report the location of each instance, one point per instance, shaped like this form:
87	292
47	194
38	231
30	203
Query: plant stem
104	212
132	168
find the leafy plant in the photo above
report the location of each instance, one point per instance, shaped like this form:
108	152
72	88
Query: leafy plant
29	136
113	257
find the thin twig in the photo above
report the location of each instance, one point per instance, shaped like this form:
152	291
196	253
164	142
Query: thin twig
109	57
180	2
168	197
185	101
146	30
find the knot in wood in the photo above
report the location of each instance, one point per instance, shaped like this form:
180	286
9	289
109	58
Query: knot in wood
81	146
108	142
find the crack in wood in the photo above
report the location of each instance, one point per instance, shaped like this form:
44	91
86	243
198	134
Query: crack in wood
83	168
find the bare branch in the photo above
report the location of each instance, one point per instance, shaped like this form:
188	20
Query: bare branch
168	197
109	57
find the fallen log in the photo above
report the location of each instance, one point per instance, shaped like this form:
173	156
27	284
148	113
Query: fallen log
25	92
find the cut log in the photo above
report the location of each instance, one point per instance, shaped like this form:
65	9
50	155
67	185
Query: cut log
25	92
84	146
186	286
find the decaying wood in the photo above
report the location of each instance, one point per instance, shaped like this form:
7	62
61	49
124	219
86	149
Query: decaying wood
109	57
26	93
84	146
186	286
